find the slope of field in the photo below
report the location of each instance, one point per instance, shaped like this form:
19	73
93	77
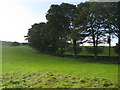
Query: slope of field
22	60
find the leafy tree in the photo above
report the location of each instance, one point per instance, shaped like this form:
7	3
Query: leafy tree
112	20
35	36
116	19
67	22
74	34
90	19
117	49
76	38
70	12
60	21
57	27
53	35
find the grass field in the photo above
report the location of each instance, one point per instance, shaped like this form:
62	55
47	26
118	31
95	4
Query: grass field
104	53
24	67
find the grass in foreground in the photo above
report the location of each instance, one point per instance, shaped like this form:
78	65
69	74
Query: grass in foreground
24	61
54	80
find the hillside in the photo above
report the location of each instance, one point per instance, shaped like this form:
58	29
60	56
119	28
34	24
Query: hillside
22	61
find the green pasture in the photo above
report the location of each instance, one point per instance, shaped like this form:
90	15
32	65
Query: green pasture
85	53
22	61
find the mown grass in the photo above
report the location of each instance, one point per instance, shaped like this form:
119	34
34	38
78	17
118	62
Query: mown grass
22	60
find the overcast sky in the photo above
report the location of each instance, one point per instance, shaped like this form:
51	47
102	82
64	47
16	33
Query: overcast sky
17	16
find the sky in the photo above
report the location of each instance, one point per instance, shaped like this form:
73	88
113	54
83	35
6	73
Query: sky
17	16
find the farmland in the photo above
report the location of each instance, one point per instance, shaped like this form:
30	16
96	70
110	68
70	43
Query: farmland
23	67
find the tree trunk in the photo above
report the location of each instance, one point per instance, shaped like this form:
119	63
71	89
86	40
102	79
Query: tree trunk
109	49
109	42
74	47
94	43
61	46
118	46
95	52
119	42
95	47
61	50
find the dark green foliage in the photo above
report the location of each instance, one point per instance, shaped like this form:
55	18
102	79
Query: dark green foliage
60	19
51	49
51	37
117	49
90	18
24	44
71	50
76	37
15	44
35	35
91	50
87	22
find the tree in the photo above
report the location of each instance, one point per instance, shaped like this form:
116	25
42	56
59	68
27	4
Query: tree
113	20
108	22
116	22
60	21
35	36
117	49
90	19
57	26
70	12
76	37
52	36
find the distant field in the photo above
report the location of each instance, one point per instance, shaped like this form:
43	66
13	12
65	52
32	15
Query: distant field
24	67
104	53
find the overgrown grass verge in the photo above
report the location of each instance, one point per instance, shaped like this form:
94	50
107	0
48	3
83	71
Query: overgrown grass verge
54	80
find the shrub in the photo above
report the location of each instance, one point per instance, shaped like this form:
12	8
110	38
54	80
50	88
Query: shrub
15	44
117	49
71	50
91	50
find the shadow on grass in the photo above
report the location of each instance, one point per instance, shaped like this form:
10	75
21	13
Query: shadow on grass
100	59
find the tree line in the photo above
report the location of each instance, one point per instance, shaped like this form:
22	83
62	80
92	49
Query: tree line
70	25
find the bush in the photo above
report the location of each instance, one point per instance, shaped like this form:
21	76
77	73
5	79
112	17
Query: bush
71	50
59	52
15	44
79	49
91	50
51	49
117	49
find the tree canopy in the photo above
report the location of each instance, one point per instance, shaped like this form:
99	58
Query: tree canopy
69	25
